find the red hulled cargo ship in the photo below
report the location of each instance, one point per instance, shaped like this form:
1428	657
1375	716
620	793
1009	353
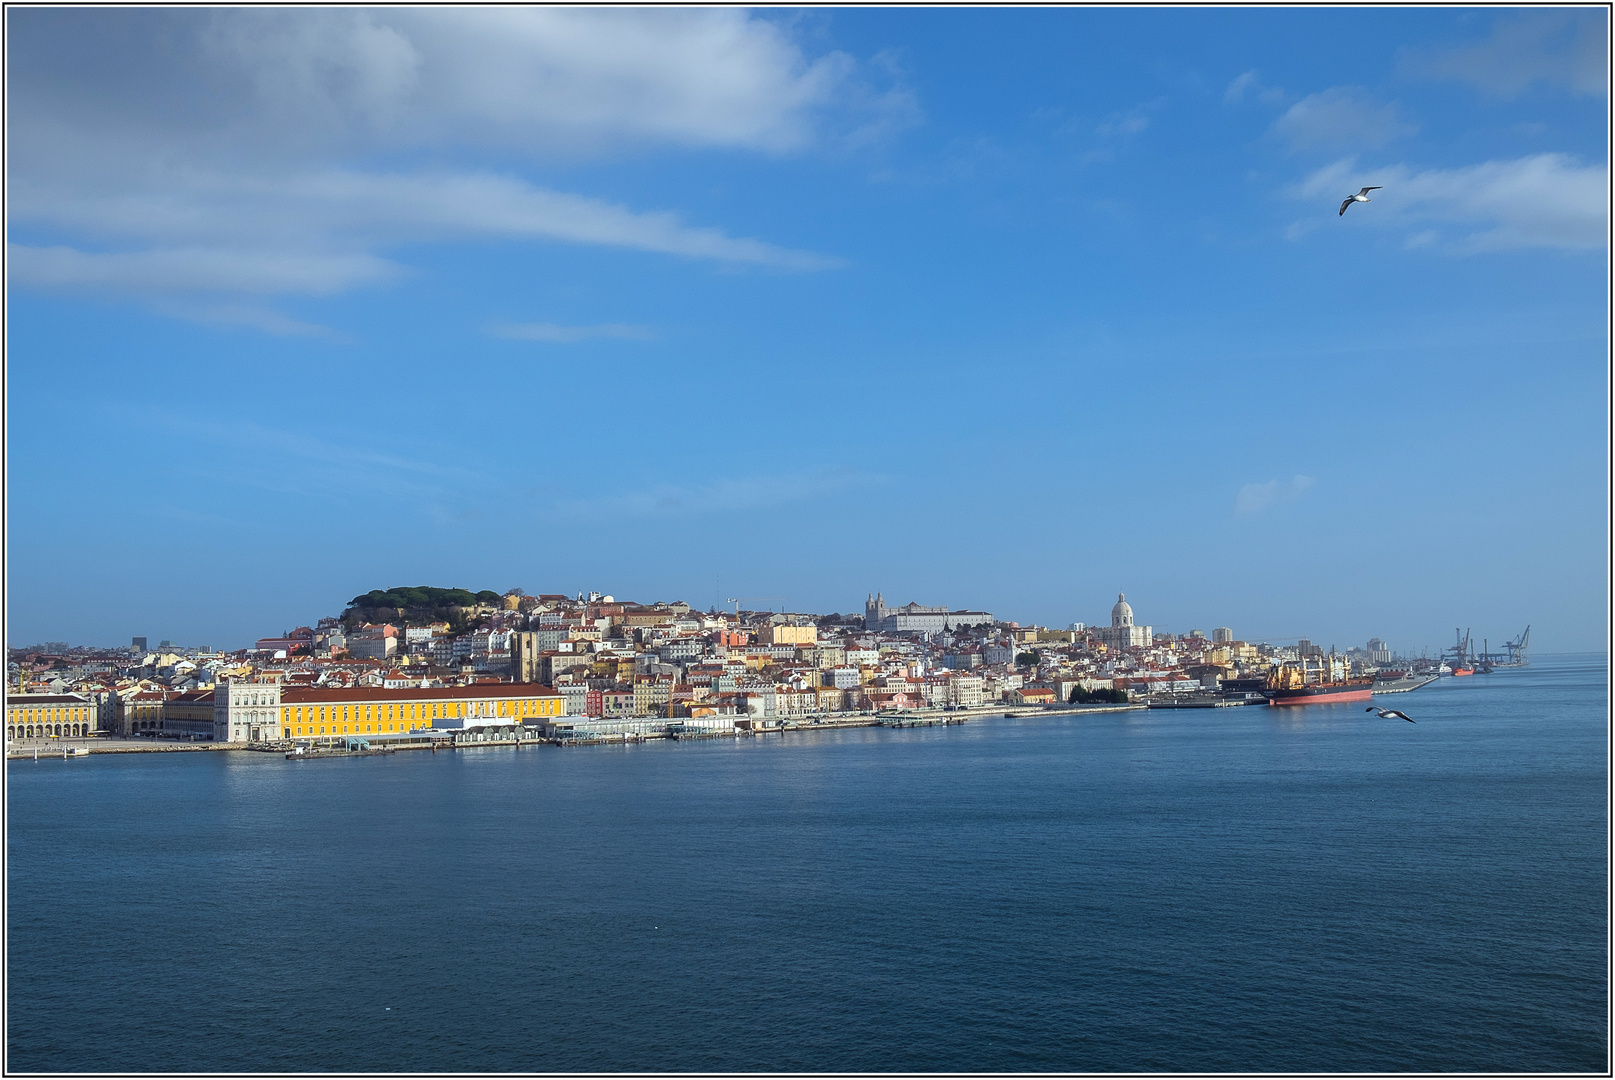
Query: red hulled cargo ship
1323	693
1328	684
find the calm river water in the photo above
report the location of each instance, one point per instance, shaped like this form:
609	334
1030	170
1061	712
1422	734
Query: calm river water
1237	889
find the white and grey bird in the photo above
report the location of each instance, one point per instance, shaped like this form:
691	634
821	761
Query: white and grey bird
1386	714
1361	196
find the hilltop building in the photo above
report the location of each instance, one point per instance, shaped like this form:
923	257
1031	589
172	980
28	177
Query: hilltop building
1123	633
914	618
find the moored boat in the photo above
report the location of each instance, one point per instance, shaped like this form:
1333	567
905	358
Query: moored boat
1328	684
1327	693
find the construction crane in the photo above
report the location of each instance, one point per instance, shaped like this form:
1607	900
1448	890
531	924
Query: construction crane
736	600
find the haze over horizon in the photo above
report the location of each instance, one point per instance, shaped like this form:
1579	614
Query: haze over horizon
998	309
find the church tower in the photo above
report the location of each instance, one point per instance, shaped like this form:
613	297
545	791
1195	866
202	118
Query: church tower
874	611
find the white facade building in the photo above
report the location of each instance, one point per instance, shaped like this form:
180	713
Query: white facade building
246	710
841	678
916	619
1122	633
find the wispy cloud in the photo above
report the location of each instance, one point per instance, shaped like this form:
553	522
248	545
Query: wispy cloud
247	190
311	233
1123	123
566	334
1254	498
716	496
248	316
1564	49
536	80
197	270
1341	118
1250	84
1119	129
310	466
1545	200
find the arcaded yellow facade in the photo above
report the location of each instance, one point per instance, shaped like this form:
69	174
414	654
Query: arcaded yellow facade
42	716
313	712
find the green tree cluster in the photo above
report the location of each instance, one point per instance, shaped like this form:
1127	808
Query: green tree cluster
418	597
1079	696
418	604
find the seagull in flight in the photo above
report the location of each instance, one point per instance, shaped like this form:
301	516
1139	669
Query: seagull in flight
1386	714
1361	196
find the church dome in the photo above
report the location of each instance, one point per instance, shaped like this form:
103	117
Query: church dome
1122	613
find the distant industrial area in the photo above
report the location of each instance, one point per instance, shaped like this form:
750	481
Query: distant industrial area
423	666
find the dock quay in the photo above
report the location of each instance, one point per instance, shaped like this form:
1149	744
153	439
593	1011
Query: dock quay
589	731
54	748
1193	701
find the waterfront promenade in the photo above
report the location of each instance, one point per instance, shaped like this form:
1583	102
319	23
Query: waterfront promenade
24	749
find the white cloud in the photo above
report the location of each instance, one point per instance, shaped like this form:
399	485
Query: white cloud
1561	48
532	79
333	208
1341	118
187	152
555	333
308	465
1254	498
1128	123
314	234
250	316
189	270
1545	200
1250	83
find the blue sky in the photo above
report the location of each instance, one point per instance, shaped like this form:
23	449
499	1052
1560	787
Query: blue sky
1004	309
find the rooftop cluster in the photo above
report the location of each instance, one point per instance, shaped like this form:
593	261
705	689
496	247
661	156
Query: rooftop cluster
610	658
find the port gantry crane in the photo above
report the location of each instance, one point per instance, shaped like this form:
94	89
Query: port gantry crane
1517	649
1458	655
1513	654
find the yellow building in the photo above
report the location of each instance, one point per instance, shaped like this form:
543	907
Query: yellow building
49	716
141	710
789	635
315	711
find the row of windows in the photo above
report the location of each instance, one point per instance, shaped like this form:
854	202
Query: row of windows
42	731
358	729
26	716
421	711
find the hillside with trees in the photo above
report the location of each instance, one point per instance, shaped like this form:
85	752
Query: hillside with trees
417	606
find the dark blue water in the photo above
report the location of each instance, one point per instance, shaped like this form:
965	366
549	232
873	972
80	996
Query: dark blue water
1240	889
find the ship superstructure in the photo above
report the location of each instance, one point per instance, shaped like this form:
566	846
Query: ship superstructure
1316	680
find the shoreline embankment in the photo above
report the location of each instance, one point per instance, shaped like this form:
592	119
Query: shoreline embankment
898	719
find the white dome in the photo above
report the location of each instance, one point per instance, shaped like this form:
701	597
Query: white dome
1121	614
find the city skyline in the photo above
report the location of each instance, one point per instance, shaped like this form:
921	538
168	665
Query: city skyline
1009	310
1210	629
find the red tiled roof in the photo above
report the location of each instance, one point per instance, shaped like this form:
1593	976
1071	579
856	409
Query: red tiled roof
301	695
